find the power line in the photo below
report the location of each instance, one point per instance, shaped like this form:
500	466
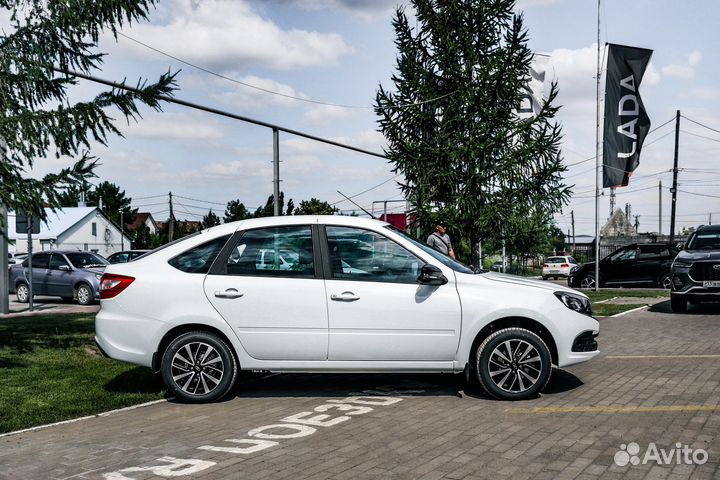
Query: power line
701	124
151	196
699	194
203	201
272	92
701	136
367	190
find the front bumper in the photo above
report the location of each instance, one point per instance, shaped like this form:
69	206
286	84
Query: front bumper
692	289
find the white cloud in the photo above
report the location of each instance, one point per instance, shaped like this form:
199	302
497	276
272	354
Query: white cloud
684	72
171	125
249	98
524	4
323	115
230	35
694	58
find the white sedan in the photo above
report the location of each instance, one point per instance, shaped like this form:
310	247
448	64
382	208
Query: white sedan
558	267
357	295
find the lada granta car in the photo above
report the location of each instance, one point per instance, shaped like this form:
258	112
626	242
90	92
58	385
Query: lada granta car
345	294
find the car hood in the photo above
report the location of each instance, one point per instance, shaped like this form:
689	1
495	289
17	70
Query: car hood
699	255
526	282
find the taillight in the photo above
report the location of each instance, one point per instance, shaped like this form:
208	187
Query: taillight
546	265
111	284
565	265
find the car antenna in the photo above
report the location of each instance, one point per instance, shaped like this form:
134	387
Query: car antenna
353	202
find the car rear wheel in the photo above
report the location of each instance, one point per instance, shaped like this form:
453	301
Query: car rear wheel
544	277
513	364
22	292
84	294
198	367
588	281
678	304
665	281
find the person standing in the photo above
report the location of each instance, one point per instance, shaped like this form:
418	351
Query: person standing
440	240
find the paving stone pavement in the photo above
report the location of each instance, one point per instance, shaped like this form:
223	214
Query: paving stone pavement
658	380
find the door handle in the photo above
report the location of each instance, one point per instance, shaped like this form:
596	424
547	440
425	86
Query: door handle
229	293
344	297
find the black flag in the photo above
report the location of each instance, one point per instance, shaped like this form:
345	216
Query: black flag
626	122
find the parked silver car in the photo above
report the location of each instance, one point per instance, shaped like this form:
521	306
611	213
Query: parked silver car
67	274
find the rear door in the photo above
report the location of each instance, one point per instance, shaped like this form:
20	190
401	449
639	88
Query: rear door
39	272
268	286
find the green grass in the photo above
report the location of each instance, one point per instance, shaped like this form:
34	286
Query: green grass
608	309
50	370
607	294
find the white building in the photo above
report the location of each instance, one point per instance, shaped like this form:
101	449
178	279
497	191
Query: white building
72	228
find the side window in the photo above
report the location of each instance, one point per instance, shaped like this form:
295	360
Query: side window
357	254
647	253
624	255
40	260
56	260
273	252
199	259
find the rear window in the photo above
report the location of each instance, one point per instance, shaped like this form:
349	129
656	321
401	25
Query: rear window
199	259
556	260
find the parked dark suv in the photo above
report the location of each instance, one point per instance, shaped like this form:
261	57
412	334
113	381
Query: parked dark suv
696	270
637	265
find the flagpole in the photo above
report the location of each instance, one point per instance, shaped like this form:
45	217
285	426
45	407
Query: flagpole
597	159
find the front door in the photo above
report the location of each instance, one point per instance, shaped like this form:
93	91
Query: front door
377	310
621	268
267	287
59	282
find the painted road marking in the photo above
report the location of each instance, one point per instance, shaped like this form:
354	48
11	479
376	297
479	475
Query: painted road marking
601	409
660	357
629	311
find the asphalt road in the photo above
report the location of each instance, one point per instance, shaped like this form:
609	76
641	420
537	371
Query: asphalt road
655	386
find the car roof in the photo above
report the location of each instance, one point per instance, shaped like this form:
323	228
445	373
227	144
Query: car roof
708	228
343	220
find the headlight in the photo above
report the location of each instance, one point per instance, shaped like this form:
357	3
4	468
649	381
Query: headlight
677	264
98	276
575	302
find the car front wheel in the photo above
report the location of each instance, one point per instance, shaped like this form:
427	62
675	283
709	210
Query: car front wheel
198	367
84	294
513	364
588	281
665	281
22	292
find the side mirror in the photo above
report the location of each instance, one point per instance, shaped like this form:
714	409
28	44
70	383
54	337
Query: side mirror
431	275
64	268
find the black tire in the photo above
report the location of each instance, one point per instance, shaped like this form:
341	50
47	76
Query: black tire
85	295
678	304
525	347
22	292
208	379
67	299
665	281
544	277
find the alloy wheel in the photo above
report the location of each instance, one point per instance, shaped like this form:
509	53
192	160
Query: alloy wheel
515	366
666	282
83	295
23	293
197	368
587	282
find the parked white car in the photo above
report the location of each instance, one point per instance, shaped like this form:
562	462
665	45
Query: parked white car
558	267
357	296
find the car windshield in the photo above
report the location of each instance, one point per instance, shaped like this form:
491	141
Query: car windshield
444	259
86	260
704	241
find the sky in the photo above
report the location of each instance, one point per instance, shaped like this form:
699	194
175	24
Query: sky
334	54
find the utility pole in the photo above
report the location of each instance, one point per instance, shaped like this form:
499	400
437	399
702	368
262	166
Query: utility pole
673	191
276	171
660	208
171	218
122	234
572	223
612	202
4	233
637	223
709	218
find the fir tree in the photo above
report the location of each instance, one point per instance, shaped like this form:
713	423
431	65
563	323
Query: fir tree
452	126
